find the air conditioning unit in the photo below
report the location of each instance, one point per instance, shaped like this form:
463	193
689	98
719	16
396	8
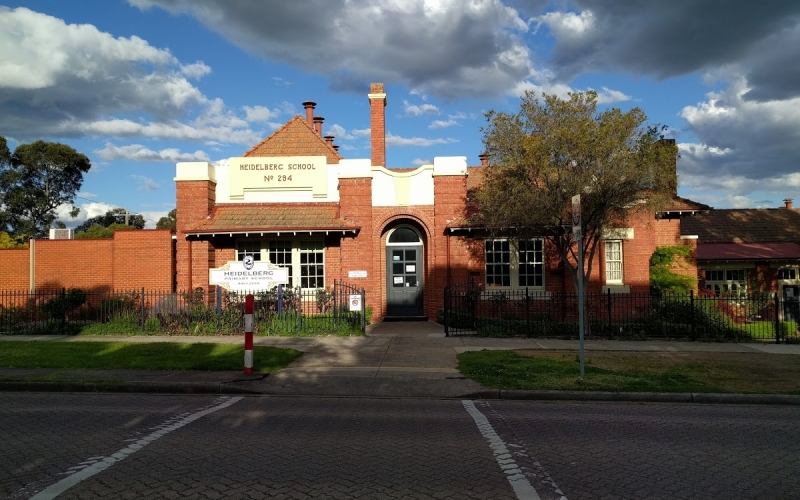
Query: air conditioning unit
62	234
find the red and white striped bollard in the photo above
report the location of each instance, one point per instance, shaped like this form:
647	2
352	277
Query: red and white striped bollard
248	334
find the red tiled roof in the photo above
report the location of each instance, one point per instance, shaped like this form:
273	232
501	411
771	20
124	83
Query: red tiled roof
254	218
747	251
295	138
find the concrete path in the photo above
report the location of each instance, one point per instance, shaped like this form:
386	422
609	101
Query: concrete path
395	359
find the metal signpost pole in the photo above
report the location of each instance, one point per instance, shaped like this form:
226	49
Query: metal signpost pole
577	233
248	334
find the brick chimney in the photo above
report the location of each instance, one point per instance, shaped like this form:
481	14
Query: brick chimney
309	105
788	203
329	139
377	119
484	157
318	124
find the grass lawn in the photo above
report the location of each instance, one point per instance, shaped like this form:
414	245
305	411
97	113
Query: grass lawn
635	371
140	356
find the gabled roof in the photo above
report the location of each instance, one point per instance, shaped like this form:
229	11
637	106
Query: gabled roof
272	218
295	138
746	225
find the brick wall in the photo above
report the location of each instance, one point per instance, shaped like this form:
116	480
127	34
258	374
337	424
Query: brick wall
358	253
14	269
194	202
129	260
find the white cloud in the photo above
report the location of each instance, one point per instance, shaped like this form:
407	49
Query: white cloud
419	109
196	70
607	96
420	162
260	113
71	80
567	26
146	183
396	140
443	123
446	48
362	132
87	194
137	152
87	211
280	82
341	133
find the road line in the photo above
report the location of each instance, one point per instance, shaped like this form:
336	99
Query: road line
522	487
104	463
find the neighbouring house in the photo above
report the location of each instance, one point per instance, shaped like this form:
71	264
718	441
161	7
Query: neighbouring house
745	250
295	201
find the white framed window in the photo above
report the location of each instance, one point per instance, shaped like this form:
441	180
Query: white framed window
729	281
304	259
614	269
511	263
787	273
248	247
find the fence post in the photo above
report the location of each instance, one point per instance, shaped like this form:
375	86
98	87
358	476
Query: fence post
63	309
446	309
335	304
142	309
299	309
218	291
280	300
777	321
527	312
608	305
691	315
363	311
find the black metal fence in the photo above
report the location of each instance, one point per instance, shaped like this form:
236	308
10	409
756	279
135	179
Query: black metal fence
469	310
279	311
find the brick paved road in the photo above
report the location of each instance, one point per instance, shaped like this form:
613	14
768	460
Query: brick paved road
359	448
655	451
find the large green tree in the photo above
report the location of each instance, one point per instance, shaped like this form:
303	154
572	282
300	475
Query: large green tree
168	222
554	148
111	217
35	180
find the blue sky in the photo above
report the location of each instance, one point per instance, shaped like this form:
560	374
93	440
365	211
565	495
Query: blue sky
137	85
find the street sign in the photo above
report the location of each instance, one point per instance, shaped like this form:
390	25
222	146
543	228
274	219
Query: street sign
355	302
576	215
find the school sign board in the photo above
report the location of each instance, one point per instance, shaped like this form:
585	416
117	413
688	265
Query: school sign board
248	275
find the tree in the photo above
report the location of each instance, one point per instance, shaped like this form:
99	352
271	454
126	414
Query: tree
34	181
168	222
6	241
111	217
100	231
555	148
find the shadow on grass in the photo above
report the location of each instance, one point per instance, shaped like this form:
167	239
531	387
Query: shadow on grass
140	356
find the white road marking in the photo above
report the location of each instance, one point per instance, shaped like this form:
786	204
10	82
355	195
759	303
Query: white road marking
104	463
522	487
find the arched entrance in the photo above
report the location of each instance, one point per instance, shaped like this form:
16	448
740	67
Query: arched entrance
404	287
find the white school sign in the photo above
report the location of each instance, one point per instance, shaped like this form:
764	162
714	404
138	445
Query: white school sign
248	275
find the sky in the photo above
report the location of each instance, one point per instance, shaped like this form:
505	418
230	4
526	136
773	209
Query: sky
138	85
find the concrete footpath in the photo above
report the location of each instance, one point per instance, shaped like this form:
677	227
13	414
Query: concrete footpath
395	359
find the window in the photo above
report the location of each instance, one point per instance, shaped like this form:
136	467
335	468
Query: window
514	263
280	254
312	264
303	258
614	262
728	281
787	273
248	247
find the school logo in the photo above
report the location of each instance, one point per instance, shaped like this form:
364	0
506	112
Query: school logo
248	261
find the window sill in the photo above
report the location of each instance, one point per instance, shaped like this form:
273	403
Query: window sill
617	289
